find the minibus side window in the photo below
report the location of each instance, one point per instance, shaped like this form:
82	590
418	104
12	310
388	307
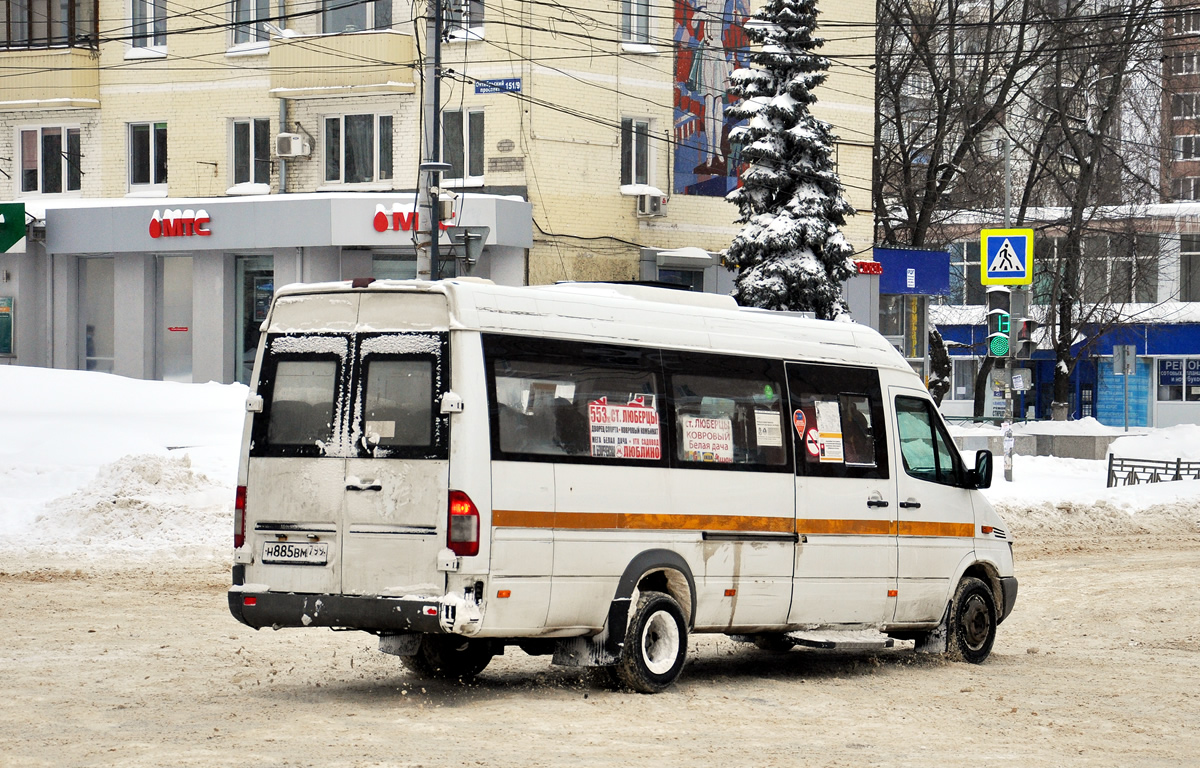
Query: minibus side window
858	434
399	403
302	395
725	420
555	409
837	421
924	445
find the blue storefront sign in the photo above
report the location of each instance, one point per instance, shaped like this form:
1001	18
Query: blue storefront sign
504	85
913	271
1170	373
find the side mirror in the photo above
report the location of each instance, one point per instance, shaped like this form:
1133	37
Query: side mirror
981	476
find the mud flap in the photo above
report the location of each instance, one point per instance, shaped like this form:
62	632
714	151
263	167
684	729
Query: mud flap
935	641
400	645
602	650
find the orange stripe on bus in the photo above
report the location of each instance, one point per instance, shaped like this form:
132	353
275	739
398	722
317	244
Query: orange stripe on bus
511	518
514	518
920	528
858	527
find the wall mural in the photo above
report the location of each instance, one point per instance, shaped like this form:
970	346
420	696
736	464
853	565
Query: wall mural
710	43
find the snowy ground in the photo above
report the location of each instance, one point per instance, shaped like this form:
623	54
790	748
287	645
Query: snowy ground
96	465
119	650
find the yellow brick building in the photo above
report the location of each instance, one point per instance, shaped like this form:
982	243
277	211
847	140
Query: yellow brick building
606	119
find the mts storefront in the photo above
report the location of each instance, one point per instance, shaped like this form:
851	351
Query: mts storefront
176	289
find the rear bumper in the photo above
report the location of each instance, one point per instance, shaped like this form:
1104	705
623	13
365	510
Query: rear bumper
372	614
1009	585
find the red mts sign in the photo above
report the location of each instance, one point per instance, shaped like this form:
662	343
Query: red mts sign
397	221
180	223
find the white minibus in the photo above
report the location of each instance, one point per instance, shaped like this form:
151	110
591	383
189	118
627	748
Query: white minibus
595	471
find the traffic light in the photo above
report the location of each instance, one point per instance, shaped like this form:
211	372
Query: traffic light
998	321
1025	343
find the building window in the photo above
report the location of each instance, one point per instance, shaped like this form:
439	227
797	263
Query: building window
635	21
248	16
1185	63
149	23
1179	379
252	151
692	278
147	155
355	15
97	313
45	23
1185	106
50	159
358	148
965	287
462	146
963	375
464	18
1187	21
1186	188
1186	147
635	151
1189	267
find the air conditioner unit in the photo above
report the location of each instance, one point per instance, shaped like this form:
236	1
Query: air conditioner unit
291	145
651	205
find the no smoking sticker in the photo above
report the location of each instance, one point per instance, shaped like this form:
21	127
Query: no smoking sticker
812	442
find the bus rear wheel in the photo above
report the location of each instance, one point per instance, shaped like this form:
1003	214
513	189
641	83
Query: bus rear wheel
972	629
655	644
450	657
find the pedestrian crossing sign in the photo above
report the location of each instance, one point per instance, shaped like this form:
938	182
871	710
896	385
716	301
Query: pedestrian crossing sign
1006	257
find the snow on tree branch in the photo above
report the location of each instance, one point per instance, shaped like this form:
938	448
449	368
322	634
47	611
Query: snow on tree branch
790	255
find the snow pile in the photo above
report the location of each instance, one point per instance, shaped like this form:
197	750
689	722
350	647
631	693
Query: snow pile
139	505
1170	443
95	464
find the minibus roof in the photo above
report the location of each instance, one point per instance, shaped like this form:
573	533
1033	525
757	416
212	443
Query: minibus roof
623	313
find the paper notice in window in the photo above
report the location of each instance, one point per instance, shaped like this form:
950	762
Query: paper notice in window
829	430
624	431
766	427
708	440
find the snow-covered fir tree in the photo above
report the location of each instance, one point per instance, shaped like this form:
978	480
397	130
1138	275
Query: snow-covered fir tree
790	254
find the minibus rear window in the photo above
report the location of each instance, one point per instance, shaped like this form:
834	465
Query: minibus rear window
399	403
302	400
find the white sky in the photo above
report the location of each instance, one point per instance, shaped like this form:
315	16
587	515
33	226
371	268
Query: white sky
94	465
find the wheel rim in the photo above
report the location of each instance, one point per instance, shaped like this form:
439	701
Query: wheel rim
976	623
660	642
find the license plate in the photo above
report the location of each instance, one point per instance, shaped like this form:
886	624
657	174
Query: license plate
295	552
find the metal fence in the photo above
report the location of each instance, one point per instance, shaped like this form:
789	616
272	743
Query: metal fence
1136	471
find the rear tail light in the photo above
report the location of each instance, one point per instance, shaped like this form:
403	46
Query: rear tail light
462	529
239	517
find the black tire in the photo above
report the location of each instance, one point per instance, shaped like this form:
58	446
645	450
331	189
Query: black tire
655	644
776	642
972	629
450	657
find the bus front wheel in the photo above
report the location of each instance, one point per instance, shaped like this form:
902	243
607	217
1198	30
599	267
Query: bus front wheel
972	629
655	644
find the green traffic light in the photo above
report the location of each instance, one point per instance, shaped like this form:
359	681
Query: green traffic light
998	345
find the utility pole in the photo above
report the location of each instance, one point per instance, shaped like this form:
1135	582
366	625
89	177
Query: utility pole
430	177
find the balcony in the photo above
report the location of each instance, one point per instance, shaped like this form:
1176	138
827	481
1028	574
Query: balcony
49	78
350	64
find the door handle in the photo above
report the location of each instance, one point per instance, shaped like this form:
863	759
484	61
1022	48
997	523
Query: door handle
364	486
910	505
876	503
